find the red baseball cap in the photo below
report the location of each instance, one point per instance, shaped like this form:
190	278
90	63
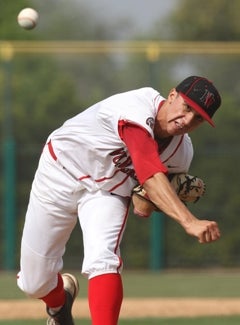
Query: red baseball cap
201	95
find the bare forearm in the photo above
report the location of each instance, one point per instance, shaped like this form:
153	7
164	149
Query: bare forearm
164	197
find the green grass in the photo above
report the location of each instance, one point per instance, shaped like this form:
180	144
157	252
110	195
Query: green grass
182	284
217	283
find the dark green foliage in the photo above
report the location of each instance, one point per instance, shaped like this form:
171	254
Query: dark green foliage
215	20
45	90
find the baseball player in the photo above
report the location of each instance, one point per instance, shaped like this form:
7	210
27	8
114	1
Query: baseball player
87	170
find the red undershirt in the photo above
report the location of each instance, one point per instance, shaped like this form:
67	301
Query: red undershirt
143	150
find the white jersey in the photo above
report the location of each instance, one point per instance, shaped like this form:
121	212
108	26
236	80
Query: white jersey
90	148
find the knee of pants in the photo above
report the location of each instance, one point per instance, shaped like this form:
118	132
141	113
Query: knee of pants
36	288
102	263
38	274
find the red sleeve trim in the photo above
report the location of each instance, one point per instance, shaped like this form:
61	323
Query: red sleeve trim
143	150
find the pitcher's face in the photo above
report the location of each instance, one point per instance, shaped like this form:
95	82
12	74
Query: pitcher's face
179	117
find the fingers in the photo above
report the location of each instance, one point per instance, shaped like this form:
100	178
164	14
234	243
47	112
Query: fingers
211	233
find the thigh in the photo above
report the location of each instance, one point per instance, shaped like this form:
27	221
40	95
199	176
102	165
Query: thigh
46	231
103	219
47	227
50	218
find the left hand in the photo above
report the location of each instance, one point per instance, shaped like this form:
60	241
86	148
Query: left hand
188	188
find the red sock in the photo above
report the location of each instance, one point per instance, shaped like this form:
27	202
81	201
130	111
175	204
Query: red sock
56	297
105	294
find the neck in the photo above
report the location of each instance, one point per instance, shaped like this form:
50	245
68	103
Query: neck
160	127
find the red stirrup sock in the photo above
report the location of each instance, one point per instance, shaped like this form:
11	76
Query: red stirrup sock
105	294
56	297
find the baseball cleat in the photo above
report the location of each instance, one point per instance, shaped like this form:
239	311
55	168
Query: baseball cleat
64	315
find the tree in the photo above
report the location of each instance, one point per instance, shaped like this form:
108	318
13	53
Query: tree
45	89
215	20
216	151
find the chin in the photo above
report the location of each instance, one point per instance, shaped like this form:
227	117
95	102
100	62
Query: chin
177	132
173	130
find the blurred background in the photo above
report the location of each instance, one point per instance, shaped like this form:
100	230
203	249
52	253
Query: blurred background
83	51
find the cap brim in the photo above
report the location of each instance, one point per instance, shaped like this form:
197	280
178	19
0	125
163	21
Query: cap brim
198	109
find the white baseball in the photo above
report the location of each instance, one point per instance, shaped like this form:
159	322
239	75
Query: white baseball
28	18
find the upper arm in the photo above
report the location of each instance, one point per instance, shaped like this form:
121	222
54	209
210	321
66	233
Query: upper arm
143	151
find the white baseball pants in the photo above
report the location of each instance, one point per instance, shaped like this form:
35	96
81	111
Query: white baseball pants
56	201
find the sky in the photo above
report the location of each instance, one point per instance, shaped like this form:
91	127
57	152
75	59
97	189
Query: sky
142	13
132	17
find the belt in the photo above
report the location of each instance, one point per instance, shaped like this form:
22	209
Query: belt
50	148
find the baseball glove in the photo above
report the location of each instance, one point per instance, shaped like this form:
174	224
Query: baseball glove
188	188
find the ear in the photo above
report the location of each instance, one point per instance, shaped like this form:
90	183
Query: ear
172	95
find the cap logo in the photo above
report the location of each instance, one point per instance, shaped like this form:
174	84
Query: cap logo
207	98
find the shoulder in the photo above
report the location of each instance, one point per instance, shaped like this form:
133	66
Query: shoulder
178	155
147	92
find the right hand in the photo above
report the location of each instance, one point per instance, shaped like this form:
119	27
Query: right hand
206	231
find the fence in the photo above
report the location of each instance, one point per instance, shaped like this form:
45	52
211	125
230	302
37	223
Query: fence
152	51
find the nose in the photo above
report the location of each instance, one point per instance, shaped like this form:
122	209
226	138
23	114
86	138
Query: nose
189	118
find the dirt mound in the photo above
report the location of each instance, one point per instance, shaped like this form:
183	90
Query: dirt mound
131	308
